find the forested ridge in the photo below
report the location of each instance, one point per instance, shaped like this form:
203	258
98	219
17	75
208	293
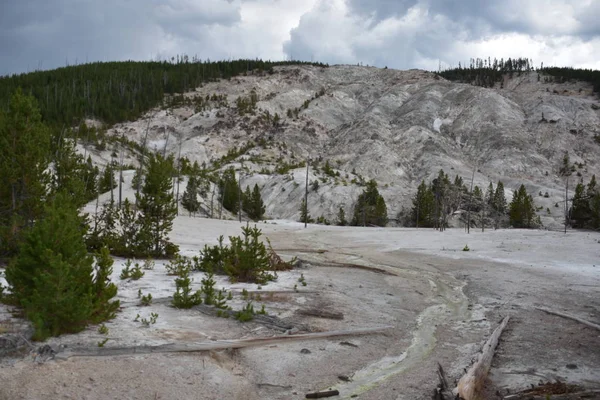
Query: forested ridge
488	72
119	91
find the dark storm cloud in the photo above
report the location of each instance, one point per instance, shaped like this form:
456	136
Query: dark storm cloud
38	33
397	33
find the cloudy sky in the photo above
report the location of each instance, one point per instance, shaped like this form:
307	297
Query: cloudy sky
43	34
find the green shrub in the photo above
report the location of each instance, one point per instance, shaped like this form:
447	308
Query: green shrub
208	288
146	300
52	277
179	266
248	260
245	314
184	297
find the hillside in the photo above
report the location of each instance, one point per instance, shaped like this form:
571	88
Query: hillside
398	127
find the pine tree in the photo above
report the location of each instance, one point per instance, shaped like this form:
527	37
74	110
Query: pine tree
189	200
304	215
256	207
522	209
73	175
500	198
24	158
370	207
51	277
230	190
489	195
156	205
103	289
107	181
341	217
423	207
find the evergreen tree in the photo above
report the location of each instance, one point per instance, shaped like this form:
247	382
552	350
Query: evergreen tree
230	196
24	157
189	200
156	205
499	202
107	181
341	217
489	196
73	175
103	289
51	277
256	207
585	211
477	196
522	209
304	215
423	207
370	207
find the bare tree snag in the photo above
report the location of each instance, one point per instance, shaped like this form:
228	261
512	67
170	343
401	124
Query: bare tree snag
581	321
471	384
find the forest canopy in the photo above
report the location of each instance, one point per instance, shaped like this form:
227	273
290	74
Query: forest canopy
120	91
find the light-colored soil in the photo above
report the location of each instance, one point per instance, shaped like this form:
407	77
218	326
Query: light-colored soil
442	303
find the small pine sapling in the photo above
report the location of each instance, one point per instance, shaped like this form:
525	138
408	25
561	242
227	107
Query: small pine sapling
126	272
184	297
103	329
220	301
146	300
136	272
466	248
262	310
302	280
245	314
151	321
208	288
137	318
230	296
102	342
148	264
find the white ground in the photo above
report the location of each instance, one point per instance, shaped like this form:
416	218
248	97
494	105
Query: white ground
441	301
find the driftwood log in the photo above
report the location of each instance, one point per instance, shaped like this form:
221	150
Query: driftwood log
210	346
313	312
320	395
581	321
471	384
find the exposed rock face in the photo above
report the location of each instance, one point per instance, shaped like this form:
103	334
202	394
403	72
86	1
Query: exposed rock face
397	127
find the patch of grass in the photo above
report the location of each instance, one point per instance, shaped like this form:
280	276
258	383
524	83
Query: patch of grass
103	329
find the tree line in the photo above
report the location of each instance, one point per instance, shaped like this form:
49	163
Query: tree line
121	91
487	72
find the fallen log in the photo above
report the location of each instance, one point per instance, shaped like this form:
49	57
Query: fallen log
311	312
210	346
471	384
581	321
320	395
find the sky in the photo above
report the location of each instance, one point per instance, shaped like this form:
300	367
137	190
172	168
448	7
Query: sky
401	34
